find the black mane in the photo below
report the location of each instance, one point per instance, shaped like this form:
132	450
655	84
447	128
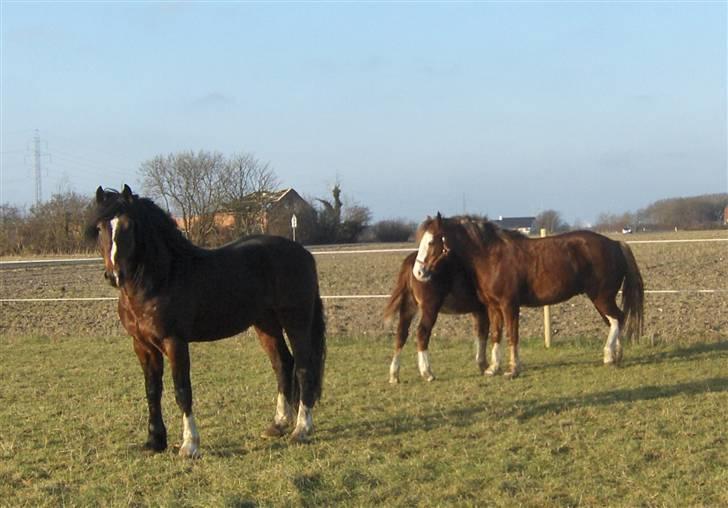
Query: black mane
158	240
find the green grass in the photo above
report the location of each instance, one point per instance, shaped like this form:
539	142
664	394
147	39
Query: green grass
568	432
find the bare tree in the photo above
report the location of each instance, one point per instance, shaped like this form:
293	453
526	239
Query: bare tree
11	229
551	221
247	191
191	185
339	223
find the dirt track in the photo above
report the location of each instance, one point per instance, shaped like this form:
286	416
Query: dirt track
668	317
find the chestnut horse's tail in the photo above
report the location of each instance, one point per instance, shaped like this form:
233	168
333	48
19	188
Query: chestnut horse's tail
633	295
318	345
401	295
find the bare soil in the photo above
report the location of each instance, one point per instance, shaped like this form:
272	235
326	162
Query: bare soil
689	316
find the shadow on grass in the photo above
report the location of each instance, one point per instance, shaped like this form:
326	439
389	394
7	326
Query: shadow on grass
459	417
631	359
682	353
654	392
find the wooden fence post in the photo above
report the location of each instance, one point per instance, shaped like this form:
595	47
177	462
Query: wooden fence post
546	314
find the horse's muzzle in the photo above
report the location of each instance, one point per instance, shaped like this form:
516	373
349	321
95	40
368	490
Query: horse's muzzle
421	273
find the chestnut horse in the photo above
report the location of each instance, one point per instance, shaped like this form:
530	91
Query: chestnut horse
449	291
511	270
172	292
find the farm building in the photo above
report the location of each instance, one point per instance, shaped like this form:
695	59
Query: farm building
261	212
523	225
271	213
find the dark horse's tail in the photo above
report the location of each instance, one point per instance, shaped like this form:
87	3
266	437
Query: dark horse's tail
318	346
401	295
633	295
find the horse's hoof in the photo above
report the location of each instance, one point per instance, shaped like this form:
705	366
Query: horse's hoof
393	380
513	374
156	444
189	451
428	377
483	369
300	436
490	372
273	432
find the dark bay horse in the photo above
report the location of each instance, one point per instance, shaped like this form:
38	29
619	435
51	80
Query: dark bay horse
172	292
449	291
511	270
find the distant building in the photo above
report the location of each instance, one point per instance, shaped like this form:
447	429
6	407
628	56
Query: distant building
271	213
263	212
525	225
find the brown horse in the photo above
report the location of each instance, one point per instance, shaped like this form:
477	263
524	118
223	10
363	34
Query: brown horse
511	270
449	291
172	293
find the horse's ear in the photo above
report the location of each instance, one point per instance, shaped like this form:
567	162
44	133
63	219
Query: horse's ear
99	195
438	219
127	194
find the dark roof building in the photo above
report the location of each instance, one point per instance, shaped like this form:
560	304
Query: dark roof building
524	225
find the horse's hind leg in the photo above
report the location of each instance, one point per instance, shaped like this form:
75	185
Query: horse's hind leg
406	314
612	314
153	366
481	323
270	335
178	353
307	367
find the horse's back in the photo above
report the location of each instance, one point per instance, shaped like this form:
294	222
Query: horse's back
561	266
277	259
239	283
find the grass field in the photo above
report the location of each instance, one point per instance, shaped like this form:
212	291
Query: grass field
568	432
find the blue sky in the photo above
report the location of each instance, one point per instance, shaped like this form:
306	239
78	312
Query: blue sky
496	108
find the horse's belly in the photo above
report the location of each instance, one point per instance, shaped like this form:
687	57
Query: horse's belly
455	303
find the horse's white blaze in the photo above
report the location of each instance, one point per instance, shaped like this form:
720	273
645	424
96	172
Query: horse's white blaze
610	346
283	411
304	421
112	253
418	269
190	436
423	362
394	368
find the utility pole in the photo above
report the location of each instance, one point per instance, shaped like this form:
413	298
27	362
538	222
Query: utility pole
37	155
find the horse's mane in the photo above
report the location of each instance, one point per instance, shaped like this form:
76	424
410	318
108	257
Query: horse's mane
159	240
478	229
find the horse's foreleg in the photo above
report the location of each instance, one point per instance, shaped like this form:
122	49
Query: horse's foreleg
424	330
273	343
511	315
153	366
481	329
496	332
405	319
178	353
